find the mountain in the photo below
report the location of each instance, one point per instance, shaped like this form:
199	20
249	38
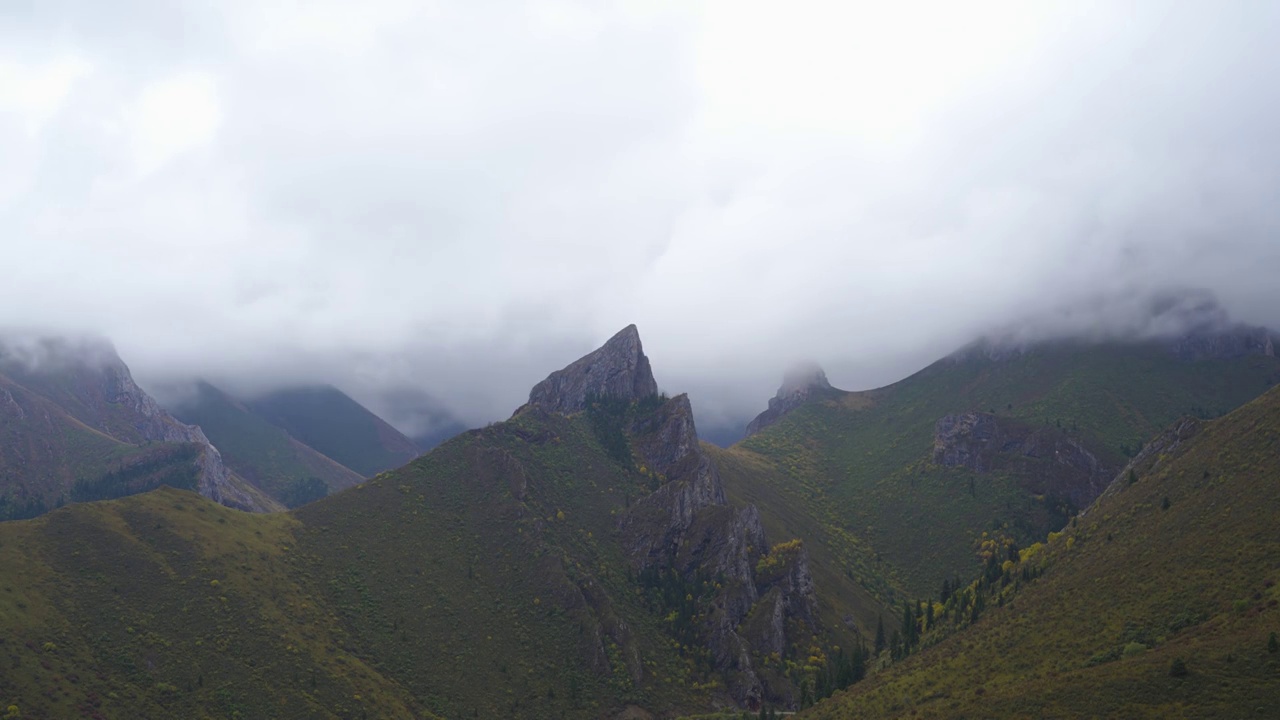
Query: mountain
419	415
583	559
902	481
328	421
260	452
76	427
1160	600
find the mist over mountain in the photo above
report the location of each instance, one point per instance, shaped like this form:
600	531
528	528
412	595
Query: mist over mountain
893	183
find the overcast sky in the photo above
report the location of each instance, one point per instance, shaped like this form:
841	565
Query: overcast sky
461	196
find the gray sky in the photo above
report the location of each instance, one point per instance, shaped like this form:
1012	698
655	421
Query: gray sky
460	196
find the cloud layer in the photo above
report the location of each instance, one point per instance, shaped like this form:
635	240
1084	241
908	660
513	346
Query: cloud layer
461	197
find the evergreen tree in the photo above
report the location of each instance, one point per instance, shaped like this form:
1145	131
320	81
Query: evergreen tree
928	614
1272	645
1133	476
1178	668
908	624
879	635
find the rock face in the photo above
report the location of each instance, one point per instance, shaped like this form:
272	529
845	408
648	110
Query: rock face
90	381
618	369
798	385
686	524
984	442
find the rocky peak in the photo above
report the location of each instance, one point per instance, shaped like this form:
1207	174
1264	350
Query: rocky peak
618	369
798	384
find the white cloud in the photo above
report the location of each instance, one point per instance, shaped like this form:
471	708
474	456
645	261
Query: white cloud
463	196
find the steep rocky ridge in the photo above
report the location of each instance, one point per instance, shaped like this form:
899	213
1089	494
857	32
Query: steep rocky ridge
685	525
90	383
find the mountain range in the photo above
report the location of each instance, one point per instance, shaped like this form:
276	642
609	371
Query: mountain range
77	427
996	534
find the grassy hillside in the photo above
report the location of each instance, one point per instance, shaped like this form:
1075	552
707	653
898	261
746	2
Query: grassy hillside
486	579
327	420
1161	601
860	463
853	585
262	453
168	605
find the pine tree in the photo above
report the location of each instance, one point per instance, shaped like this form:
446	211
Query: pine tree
1133	476
879	635
908	624
1272	645
1178	668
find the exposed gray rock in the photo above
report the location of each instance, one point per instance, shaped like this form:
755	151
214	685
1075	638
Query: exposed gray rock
982	441
618	369
685	525
798	385
667	443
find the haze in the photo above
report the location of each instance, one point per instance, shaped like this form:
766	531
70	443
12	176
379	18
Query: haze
456	198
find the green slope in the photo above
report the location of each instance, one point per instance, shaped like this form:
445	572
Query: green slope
167	605
1179	565
488	578
861	463
327	420
262	453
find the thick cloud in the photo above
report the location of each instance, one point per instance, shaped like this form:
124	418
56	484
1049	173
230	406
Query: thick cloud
460	197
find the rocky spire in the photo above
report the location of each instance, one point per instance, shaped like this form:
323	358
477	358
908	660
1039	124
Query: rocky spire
618	369
798	384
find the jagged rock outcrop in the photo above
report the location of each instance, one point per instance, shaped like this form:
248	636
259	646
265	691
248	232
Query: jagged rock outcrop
667	443
798	385
618	369
789	594
685	525
983	442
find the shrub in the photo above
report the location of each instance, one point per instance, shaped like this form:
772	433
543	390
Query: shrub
1134	648
1178	668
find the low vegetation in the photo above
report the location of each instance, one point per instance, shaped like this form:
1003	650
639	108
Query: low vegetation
1132	610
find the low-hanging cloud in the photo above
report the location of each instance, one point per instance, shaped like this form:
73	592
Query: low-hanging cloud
458	198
